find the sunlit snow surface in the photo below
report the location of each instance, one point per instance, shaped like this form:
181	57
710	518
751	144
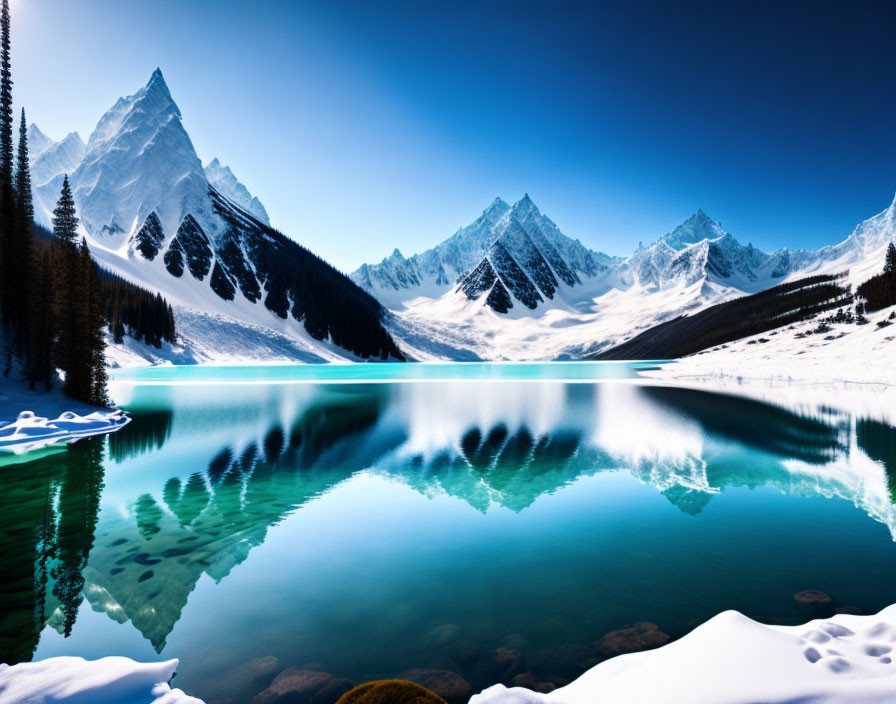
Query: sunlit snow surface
736	660
31	432
112	680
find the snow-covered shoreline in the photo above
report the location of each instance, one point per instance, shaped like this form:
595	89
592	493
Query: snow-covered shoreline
730	659
30	420
736	660
806	353
112	680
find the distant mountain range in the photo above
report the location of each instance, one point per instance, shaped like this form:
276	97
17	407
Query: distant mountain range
512	286
153	214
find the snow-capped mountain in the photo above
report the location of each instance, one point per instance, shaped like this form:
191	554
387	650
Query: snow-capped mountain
239	288
37	142
57	159
495	242
223	180
523	290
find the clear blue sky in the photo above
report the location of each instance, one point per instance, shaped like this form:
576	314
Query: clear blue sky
365	126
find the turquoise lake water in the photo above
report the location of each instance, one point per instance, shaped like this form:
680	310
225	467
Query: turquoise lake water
251	519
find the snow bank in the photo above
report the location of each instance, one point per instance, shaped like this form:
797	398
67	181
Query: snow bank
30	432
68	680
846	352
736	660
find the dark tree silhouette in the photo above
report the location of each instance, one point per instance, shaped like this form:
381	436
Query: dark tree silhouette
880	291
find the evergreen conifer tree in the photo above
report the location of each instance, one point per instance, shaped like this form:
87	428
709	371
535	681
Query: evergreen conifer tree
23	177
66	293
20	245
91	309
6	150
65	218
890	263
7	199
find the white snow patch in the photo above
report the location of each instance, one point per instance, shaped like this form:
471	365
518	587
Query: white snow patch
31	432
736	660
111	680
847	353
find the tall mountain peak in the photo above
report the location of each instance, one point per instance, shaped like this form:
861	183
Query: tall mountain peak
37	141
140	160
696	228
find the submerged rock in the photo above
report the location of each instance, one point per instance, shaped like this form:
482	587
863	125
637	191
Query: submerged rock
643	635
390	692
812	596
529	681
297	686
450	686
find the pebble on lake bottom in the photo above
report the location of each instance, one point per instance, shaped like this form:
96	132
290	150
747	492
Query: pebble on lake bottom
643	635
812	596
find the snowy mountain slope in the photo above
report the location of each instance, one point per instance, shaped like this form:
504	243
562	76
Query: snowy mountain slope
223	181
846	352
516	300
151	215
57	159
37	142
525	233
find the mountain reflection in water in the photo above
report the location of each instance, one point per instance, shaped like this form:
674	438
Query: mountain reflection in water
133	521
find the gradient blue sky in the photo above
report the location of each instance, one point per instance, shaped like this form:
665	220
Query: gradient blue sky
365	126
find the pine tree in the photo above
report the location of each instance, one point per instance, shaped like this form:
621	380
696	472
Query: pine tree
66	295
94	352
20	239
23	176
7	200
65	218
6	150
890	264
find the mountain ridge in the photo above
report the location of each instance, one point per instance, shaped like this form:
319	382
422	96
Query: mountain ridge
505	307
151	215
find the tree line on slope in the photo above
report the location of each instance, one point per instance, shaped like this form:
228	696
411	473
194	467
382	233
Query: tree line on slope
743	317
298	282
880	291
53	304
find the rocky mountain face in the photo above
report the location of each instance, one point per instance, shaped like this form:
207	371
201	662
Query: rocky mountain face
517	256
221	178
512	286
57	159
153	214
516	246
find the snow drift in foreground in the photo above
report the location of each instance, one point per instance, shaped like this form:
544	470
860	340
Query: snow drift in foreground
30	432
736	660
68	680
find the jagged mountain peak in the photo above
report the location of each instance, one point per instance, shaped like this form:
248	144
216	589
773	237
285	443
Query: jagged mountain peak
495	211
226	183
73	138
37	141
696	228
140	160
153	102
525	207
56	159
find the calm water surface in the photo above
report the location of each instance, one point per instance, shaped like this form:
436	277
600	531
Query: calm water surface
255	518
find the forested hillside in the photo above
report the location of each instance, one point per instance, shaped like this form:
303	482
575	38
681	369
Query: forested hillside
733	320
55	303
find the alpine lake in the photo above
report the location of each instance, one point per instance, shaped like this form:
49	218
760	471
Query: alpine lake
495	521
